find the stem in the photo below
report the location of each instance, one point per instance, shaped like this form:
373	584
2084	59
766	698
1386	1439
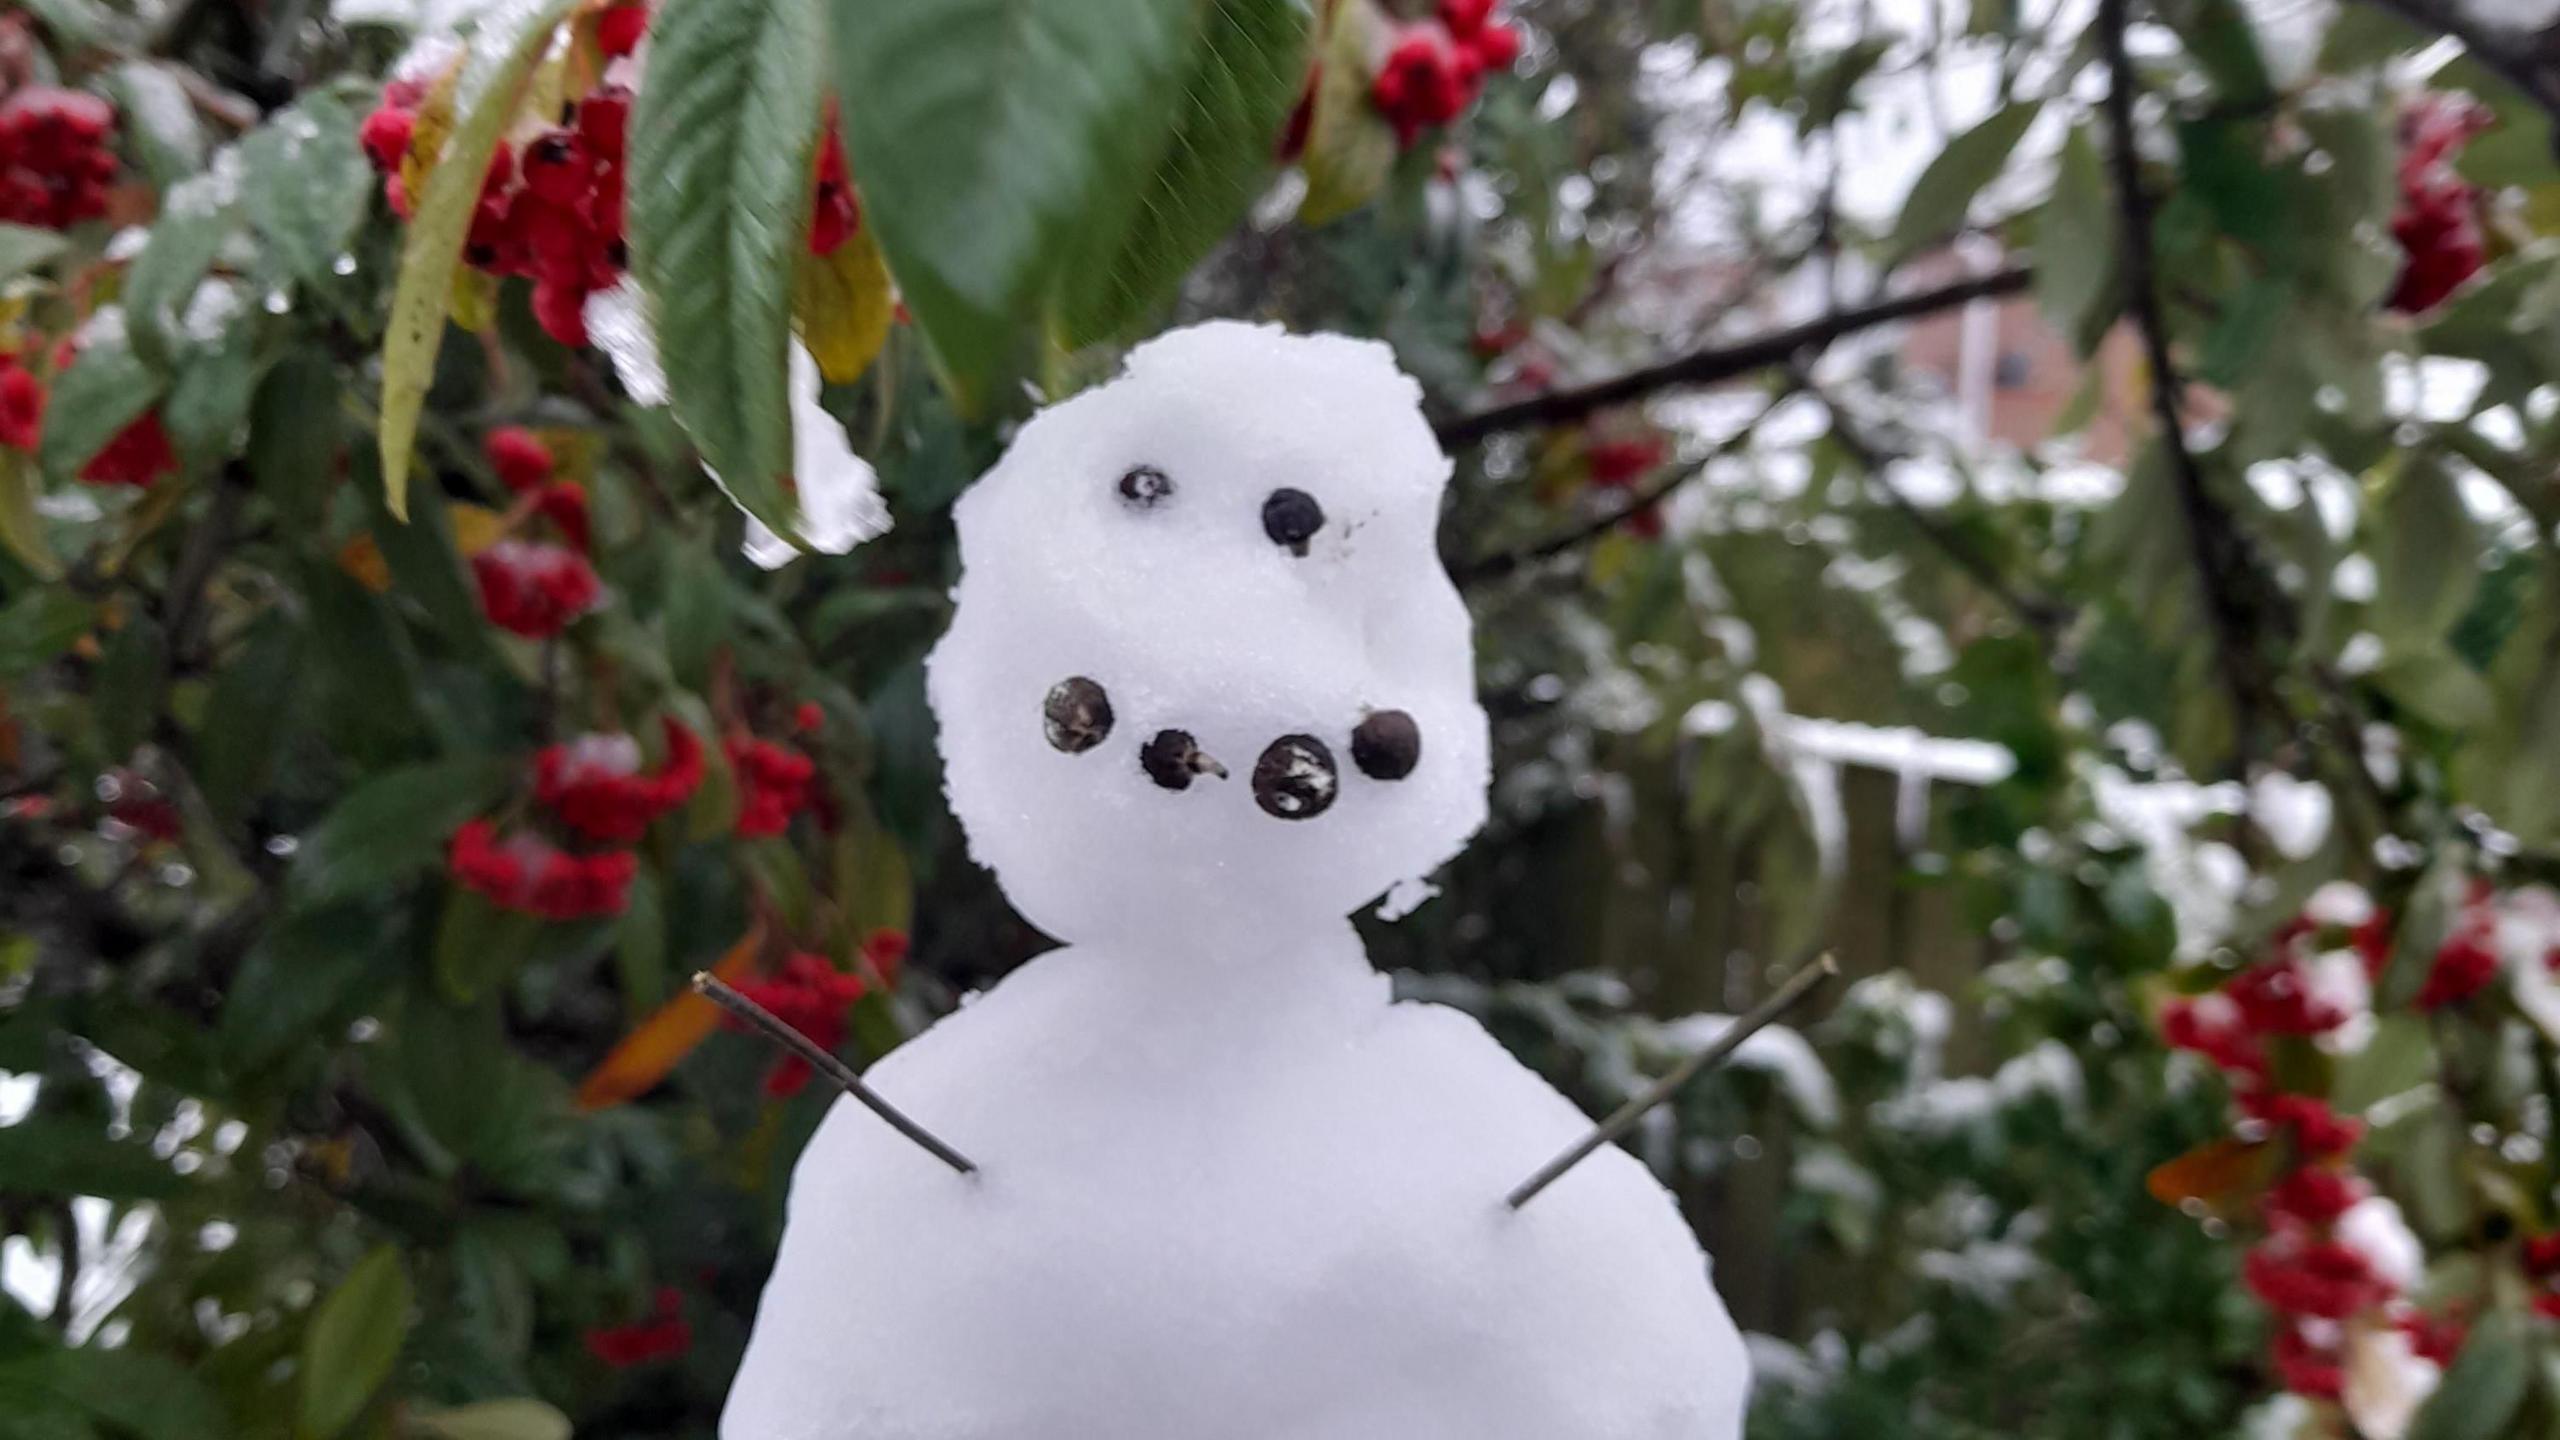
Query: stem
719	992
1624	1118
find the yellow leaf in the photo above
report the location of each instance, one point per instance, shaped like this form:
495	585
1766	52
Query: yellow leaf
475	528
841	304
442	218
362	559
661	1042
1351	149
21	529
475	300
428	132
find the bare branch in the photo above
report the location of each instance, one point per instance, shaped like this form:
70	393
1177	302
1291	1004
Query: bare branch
1624	1118
1726	362
780	1031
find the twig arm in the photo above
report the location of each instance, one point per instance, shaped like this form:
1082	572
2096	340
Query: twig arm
773	1027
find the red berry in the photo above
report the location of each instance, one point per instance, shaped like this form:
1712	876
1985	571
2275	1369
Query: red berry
561	310
522	461
604	121
22	398
386	135
139	455
619	28
1496	47
1465	17
558	168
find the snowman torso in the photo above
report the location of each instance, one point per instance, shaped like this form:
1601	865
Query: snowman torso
1206	691
1262	1212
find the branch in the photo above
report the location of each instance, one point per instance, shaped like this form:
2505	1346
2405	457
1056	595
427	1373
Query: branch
2527	59
2237	601
719	992
1725	362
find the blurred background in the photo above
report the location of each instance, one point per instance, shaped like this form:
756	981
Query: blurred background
2051	501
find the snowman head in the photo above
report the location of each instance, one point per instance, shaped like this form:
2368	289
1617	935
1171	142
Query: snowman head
1206	678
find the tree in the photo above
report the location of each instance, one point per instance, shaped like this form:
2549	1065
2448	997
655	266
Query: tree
2053	501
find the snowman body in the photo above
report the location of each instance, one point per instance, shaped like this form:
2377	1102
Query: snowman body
1231	1191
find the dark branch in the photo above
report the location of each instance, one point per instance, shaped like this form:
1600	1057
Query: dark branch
2527	59
2239	605
1726	362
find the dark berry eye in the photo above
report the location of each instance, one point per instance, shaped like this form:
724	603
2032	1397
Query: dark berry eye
1076	716
1291	518
1386	745
1295	779
1173	760
1144	487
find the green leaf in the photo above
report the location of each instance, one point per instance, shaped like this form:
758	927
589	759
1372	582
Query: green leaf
2219	36
2249	324
167	135
40	625
107	388
1351	149
313	965
21	527
493	82
394	826
1245	67
2399	1058
494	1420
73	1155
2485	1387
727	137
2075	245
145	1396
131	670
983	133
355	1334
1938	201
2428	918
479	945
640	947
24	248
295	429
209	400
2425	550
305	183
2434	683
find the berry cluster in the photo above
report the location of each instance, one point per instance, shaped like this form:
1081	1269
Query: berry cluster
525	467
55	164
2336	1263
774	784
2438	222
596	786
552	212
1436	68
534	589
22	398
664	1335
811	996
527	873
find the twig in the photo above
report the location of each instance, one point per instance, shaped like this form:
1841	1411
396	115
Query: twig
1624	1118
719	992
66	1224
2526	59
2237	602
1725	362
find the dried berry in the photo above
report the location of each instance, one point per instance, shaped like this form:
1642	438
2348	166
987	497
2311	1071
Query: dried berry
1291	518
1172	759
1145	487
1076	716
1386	745
1295	779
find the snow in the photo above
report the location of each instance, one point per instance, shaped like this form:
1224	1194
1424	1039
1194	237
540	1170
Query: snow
619	324
1229	1186
840	504
1191	618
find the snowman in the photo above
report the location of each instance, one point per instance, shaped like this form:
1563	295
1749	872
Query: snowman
1207	690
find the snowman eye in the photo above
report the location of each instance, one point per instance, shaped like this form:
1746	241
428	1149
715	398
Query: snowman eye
1295	778
1291	518
1144	487
1076	716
